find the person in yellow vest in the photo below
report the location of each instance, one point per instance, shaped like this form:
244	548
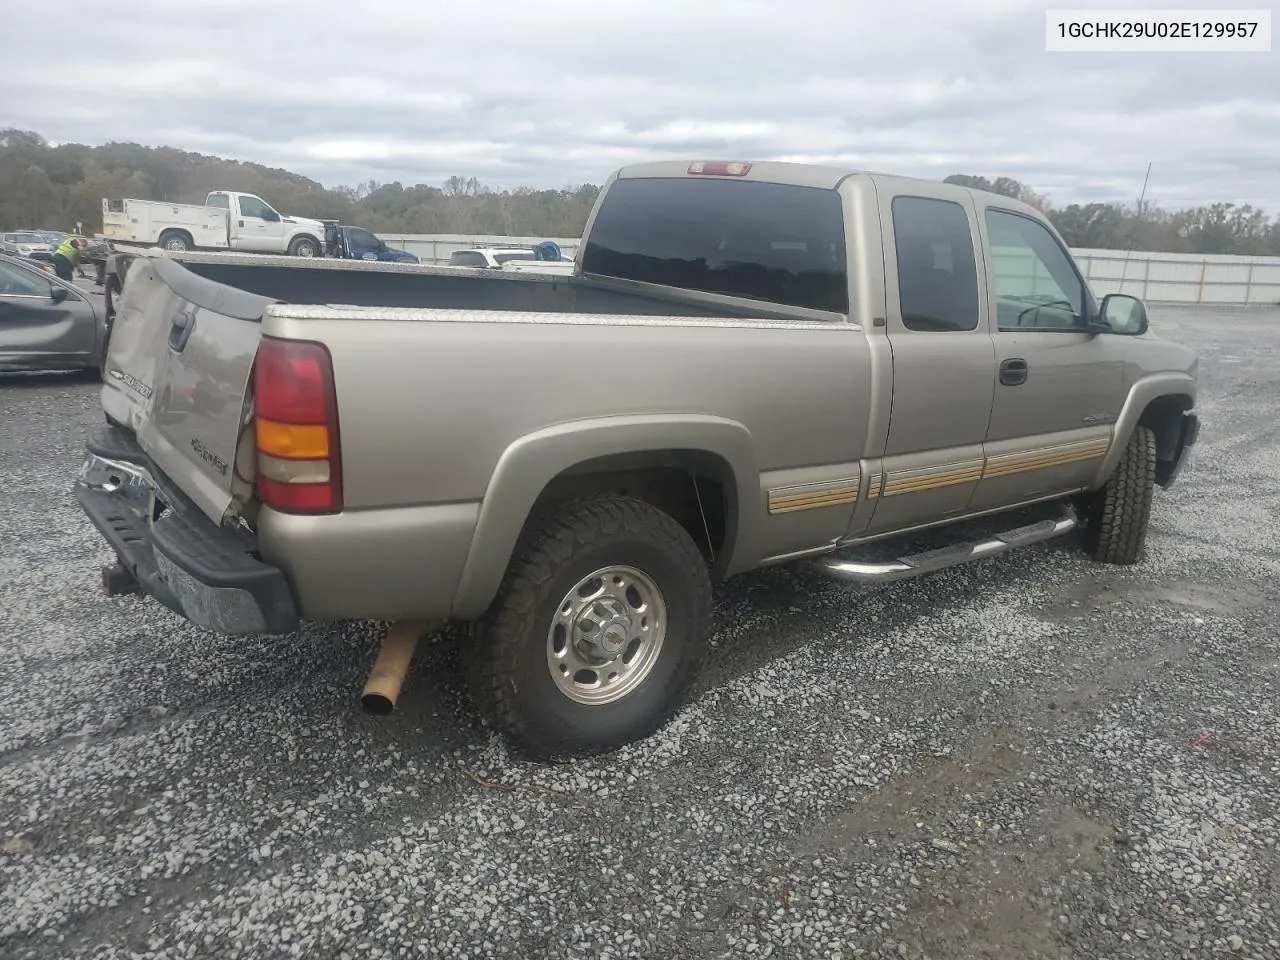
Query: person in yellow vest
67	257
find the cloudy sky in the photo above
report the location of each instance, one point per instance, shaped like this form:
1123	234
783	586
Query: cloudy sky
559	92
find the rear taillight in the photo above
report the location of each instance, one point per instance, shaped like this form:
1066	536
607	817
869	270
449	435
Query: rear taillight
296	427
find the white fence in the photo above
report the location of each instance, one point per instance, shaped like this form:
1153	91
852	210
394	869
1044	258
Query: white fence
1155	277
1183	277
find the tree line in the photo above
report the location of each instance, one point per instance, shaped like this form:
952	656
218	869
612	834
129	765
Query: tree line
1226	227
54	187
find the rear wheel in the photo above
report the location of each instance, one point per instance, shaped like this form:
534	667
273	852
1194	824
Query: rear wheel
178	241
1117	516
304	247
597	632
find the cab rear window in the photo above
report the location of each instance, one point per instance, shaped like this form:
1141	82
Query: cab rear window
762	241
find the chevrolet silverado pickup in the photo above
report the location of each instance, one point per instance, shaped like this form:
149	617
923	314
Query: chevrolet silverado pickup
751	364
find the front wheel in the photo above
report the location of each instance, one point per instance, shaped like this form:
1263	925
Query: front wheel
304	247
1116	517
597	632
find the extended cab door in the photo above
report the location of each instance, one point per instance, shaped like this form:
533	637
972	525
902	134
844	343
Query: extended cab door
36	326
943	361
255	226
1058	387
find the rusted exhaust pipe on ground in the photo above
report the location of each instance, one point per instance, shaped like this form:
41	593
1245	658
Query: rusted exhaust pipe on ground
387	676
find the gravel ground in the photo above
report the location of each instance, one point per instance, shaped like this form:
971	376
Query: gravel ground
1035	757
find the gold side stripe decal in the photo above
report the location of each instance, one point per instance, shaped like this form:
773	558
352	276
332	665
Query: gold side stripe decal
810	496
1040	463
930	478
812	503
1008	464
1088	446
829	493
921	479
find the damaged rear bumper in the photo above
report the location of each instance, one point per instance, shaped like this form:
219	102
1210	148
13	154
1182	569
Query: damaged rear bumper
208	574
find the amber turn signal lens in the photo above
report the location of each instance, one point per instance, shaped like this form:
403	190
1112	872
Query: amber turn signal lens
293	441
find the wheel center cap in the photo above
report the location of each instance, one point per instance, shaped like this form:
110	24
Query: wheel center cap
613	638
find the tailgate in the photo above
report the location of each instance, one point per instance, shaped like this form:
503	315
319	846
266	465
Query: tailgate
178	366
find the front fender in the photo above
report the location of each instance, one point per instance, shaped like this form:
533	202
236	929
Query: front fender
1140	395
533	461
300	231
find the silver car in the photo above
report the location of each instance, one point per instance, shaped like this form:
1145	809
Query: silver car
47	323
23	244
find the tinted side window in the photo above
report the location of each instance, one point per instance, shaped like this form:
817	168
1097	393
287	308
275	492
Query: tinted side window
16	282
937	273
468	258
361	240
252	207
763	241
1036	285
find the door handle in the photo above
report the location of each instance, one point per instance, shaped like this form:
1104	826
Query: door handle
1013	371
181	325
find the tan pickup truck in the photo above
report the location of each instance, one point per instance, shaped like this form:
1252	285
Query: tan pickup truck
752	364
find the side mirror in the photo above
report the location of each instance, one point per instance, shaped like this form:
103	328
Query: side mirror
56	293
1122	314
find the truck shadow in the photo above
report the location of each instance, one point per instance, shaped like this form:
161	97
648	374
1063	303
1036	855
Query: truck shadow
31	379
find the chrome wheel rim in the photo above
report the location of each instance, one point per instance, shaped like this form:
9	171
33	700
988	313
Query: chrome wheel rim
305	250
606	635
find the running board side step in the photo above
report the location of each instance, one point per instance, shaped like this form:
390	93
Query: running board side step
953	555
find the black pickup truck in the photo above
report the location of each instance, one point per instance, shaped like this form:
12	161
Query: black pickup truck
356	243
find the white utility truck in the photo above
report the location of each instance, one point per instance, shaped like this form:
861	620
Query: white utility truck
227	221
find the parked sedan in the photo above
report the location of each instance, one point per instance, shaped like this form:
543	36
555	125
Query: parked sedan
46	323
23	244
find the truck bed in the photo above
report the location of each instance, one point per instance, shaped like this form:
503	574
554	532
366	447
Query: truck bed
369	284
184	341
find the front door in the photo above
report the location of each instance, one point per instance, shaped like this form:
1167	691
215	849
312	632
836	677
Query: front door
943	365
1059	387
36	329
258	227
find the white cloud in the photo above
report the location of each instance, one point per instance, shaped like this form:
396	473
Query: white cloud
555	92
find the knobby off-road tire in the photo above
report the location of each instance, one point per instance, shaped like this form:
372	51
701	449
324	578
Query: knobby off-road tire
656	608
1117	515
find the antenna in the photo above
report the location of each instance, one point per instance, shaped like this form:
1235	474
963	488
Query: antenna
1133	234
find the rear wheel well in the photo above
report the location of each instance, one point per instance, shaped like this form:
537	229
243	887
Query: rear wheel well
1163	416
694	487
